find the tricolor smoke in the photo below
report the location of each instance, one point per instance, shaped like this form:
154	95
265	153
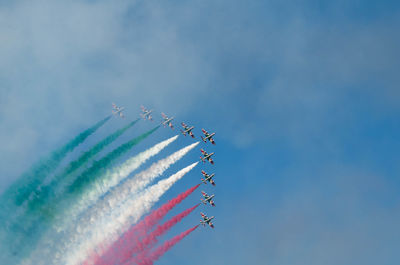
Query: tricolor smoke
131	238
110	228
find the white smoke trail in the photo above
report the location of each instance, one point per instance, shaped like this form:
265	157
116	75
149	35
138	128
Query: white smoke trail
113	225
112	178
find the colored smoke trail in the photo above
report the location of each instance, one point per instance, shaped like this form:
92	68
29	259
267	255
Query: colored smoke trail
21	190
49	192
160	230
109	229
66	175
109	198
155	255
130	240
91	176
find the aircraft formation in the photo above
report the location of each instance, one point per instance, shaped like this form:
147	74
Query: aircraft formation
187	130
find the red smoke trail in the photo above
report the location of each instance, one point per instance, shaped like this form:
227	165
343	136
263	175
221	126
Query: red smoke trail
155	255
120	250
151	239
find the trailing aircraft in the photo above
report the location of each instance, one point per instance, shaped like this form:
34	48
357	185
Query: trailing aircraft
117	110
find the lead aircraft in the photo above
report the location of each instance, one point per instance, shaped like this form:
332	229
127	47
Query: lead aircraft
207	136
117	110
206	220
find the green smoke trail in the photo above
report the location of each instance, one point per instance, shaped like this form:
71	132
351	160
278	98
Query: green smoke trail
48	192
93	174
27	232
20	191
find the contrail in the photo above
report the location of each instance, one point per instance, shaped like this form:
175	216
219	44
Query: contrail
156	254
141	229
109	229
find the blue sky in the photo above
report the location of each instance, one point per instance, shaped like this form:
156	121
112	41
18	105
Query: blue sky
303	96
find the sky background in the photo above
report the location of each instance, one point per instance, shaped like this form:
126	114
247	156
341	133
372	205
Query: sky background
303	96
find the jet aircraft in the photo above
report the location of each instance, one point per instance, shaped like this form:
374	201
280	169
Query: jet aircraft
206	156
117	110
208	136
167	121
207	178
208	198
206	220
146	114
187	130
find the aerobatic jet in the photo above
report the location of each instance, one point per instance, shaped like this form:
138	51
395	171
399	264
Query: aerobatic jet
206	220
207	136
146	114
167	121
207	178
206	156
208	198
187	130
117	110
